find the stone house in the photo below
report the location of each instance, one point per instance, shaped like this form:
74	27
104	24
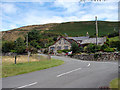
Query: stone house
60	44
66	42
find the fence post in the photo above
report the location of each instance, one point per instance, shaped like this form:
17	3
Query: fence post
15	58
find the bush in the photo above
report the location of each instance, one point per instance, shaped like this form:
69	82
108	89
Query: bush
8	46
115	33
104	46
21	49
45	51
66	50
34	50
34	43
97	56
20	46
59	51
75	48
115	44
92	48
85	49
109	50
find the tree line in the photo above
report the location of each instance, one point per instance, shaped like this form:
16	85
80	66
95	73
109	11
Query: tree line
35	39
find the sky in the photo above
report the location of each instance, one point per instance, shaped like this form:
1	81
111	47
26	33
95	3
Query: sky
16	14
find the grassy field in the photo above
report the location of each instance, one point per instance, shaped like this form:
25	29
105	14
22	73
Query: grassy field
114	38
23	66
114	83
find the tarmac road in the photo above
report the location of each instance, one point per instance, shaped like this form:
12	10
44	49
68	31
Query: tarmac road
72	74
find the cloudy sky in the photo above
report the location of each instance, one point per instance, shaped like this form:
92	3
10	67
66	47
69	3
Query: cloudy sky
17	14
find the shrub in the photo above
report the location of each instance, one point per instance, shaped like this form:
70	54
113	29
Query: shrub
75	48
34	43
97	55
104	46
85	49
20	46
8	46
45	51
59	51
109	50
115	33
115	44
90	48
66	50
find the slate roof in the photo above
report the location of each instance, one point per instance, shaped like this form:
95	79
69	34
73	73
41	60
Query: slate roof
78	38
93	40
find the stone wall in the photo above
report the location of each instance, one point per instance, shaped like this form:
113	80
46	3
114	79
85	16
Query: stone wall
98	57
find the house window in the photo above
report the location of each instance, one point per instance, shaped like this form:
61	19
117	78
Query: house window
59	41
65	41
59	48
65	47
52	48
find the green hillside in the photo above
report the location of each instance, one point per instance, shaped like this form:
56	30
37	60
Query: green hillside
80	28
70	28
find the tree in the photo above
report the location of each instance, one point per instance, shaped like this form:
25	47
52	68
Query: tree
34	43
20	46
75	48
31	49
34	35
8	46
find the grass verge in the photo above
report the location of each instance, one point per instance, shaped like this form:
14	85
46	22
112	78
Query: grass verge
12	69
114	83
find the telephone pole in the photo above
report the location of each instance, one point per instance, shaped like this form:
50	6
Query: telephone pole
119	34
96	30
27	40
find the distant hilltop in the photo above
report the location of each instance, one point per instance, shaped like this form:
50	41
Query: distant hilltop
70	28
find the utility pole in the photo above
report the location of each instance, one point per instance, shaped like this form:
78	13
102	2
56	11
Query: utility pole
119	34
96	30
27	40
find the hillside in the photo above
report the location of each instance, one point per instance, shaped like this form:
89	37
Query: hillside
21	32
80	28
70	28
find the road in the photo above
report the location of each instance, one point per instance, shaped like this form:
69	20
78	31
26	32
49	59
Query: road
72	74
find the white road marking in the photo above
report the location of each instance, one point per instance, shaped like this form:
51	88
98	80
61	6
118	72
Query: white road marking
67	72
27	85
88	65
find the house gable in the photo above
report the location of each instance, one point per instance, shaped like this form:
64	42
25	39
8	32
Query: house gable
60	44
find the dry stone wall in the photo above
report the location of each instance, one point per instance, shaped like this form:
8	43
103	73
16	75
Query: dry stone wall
98	57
